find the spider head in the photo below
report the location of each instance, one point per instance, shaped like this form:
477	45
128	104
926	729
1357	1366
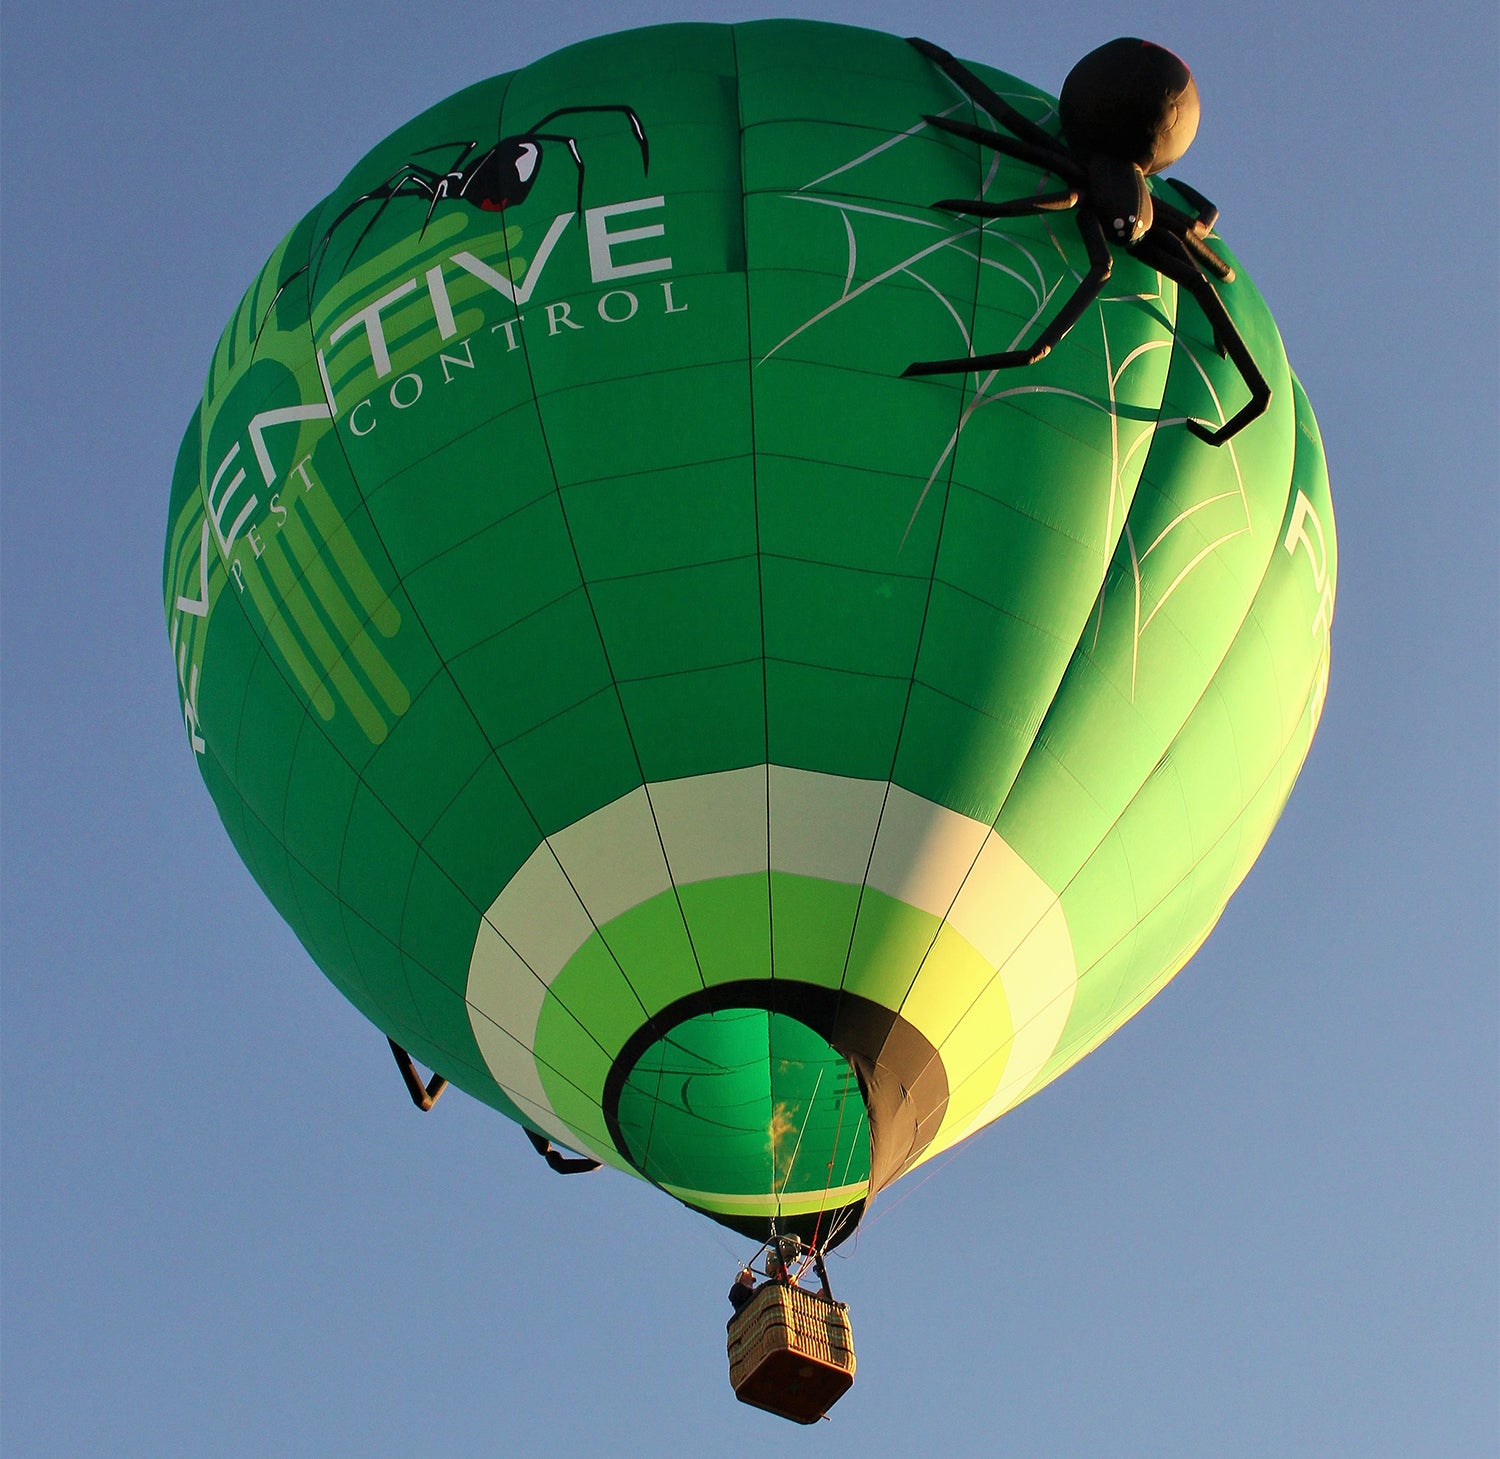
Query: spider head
1120	199
1131	101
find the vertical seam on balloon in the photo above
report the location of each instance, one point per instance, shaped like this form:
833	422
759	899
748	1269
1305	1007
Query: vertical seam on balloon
1175	964
614	684
759	579
604	650
357	772
442	668
1124	811
926	610
343	841
557	491
760	587
1251	623
445	668
415	461
345	911
1125	536
647	1013
247	811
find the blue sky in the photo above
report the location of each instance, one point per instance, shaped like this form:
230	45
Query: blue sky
1261	1220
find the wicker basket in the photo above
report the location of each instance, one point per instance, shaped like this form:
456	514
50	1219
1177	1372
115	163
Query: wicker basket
791	1353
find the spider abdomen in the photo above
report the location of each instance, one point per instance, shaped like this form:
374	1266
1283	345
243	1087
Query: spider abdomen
1130	100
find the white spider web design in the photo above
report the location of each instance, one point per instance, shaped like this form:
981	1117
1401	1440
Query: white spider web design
1044	278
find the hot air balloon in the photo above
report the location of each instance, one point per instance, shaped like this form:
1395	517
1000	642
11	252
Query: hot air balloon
734	758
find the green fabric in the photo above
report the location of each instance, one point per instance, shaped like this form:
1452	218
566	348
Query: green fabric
637	497
745	1072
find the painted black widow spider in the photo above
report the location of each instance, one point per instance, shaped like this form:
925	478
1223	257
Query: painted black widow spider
500	177
1128	110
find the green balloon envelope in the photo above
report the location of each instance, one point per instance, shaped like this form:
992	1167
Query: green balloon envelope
712	750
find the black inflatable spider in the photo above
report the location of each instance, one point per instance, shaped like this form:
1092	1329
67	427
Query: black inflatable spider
1128	110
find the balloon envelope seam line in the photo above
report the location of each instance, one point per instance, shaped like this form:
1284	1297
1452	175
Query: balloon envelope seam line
1188	715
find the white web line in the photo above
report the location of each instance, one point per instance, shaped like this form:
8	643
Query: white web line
958	319
850	293
1041	294
874	151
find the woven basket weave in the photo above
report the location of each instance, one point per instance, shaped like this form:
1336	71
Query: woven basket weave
791	1353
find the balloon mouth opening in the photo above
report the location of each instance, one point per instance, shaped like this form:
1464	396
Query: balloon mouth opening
748	1105
772	1100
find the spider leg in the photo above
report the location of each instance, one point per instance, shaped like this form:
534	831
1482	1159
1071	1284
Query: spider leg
1101	265
438	180
458	162
1019	208
407	172
1206	258
423	177
1170	256
1175	221
431	188
626	111
972	87
1050	158
1208	214
265	318
441	189
577	157
394	185
562	1164
424	1096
